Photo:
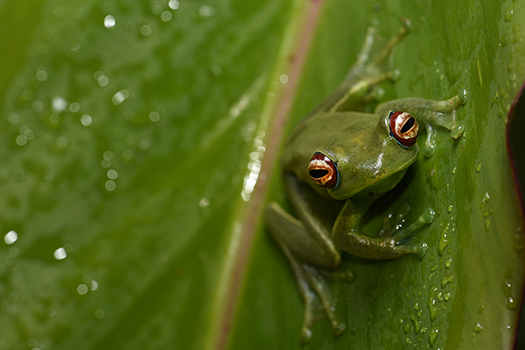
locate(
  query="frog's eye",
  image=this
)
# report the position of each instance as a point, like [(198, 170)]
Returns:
[(323, 171), (404, 128)]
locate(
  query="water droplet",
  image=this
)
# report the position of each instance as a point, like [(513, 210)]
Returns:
[(82, 289), (60, 253), (449, 209), (37, 106), (433, 335), (29, 134), (156, 8), (13, 252), (204, 202), (58, 104), (478, 327), (173, 4), (19, 174), (205, 12), (166, 16), (10, 237), (433, 303), (127, 154), (100, 314), (74, 107), (105, 163), (94, 285), (50, 312), (27, 95), (85, 120), (519, 243), (109, 22), (21, 140), (481, 309), (32, 342), (145, 30), (485, 200), (447, 279), (144, 144), (112, 174), (434, 267), (120, 97), (110, 185), (509, 11), (478, 167), (448, 262), (454, 171), (61, 142), (444, 240), (41, 75), (54, 118), (74, 46), (103, 81), (154, 117), (216, 70)]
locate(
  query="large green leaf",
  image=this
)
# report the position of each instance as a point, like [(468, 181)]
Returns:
[(465, 293), (130, 153), (125, 141)]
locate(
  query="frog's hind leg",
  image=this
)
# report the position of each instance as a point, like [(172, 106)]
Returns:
[(373, 66), (286, 230), (377, 69)]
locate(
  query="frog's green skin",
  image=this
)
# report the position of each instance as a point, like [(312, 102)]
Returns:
[(370, 162)]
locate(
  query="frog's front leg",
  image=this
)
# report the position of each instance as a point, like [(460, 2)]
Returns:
[(431, 113), (348, 236)]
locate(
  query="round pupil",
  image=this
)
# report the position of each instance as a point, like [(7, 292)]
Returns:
[(318, 173), (408, 125)]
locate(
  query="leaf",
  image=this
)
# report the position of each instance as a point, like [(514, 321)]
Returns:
[(126, 133), (465, 293), (131, 146)]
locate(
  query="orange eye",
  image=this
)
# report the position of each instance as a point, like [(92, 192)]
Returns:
[(404, 128), (323, 171)]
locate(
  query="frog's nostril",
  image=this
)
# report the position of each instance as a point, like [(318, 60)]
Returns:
[(318, 173)]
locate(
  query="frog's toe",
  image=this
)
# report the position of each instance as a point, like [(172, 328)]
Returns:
[(306, 335), (338, 327), (457, 131), (463, 96)]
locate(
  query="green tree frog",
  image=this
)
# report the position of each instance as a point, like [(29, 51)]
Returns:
[(338, 161)]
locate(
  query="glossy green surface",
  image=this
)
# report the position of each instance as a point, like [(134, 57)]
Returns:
[(126, 149), (124, 146), (465, 293)]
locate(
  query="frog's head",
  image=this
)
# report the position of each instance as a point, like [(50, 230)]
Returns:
[(373, 159)]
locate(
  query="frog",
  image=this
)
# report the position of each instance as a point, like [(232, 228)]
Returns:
[(338, 161)]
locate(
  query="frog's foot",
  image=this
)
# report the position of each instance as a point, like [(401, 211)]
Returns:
[(377, 66), (401, 236), (442, 113), (392, 223), (312, 285), (319, 285)]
